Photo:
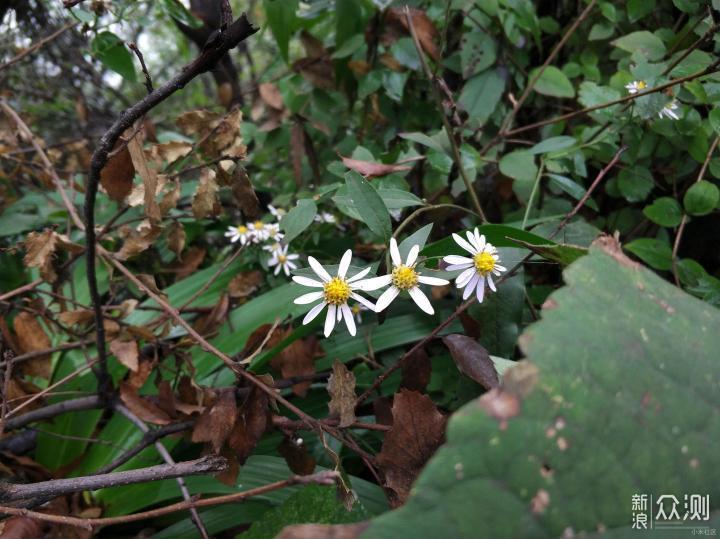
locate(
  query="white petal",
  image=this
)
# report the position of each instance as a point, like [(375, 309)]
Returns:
[(473, 241), (359, 275), (286, 269), (306, 281), (395, 252), (491, 284), (480, 240), (499, 267), (349, 320), (412, 255), (386, 298), (464, 244), (470, 286), (312, 313), (480, 290), (363, 301), (421, 300), (433, 281), (291, 265), (278, 268), (292, 257), (308, 298), (344, 263), (338, 312), (318, 269), (454, 267), (330, 320), (455, 259), (368, 285), (464, 277)]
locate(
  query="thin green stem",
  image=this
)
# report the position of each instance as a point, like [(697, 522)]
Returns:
[(532, 193)]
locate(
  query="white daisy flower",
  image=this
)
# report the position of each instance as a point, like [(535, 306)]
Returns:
[(278, 213), (239, 233), (335, 293), (403, 277), (259, 231), (477, 270), (636, 86), (273, 248), (273, 232), (669, 110), (281, 260), (325, 217)]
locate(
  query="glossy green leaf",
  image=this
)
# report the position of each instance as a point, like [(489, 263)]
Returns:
[(369, 204), (561, 253), (298, 219), (176, 10), (605, 402), (419, 237), (701, 198), (644, 42), (553, 144), (655, 253), (519, 165), (111, 51), (477, 52), (552, 82), (282, 21), (664, 211), (481, 94)]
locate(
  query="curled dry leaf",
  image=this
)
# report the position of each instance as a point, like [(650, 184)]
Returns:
[(416, 371), (217, 421), (142, 407), (116, 177), (250, 425), (170, 198), (40, 249), (31, 337), (341, 387), (169, 152), (418, 430), (73, 318), (297, 359), (205, 202), (219, 135), (22, 528), (242, 190), (472, 360), (148, 175), (371, 169), (139, 240), (126, 352), (245, 284), (176, 239), (296, 454), (270, 94), (424, 28), (297, 149)]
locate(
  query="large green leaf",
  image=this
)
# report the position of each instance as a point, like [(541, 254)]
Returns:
[(553, 82), (282, 21), (369, 204), (621, 398), (111, 51)]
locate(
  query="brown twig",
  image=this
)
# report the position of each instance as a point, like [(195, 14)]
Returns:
[(148, 80), (446, 123), (289, 424), (48, 412), (234, 34), (322, 478), (32, 48), (59, 487)]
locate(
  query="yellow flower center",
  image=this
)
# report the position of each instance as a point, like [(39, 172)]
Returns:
[(337, 291), (641, 85), (404, 277), (282, 259), (259, 225), (484, 262), (242, 229)]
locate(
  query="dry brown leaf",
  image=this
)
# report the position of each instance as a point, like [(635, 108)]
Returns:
[(40, 248), (244, 284), (138, 240), (424, 28), (22, 528), (297, 359), (323, 531), (317, 71), (297, 150), (359, 67), (149, 282), (170, 151), (170, 199), (126, 352), (176, 239), (31, 337), (295, 453), (314, 48), (217, 421), (341, 387), (205, 202), (79, 316), (197, 122), (418, 430), (192, 258), (416, 371), (472, 360), (211, 322), (371, 169), (270, 94), (141, 406), (243, 192), (250, 425), (148, 176), (117, 175)]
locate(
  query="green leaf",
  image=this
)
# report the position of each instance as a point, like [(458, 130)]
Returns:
[(642, 41), (553, 144), (572, 188), (312, 504), (561, 253), (637, 9), (477, 52), (369, 204), (635, 183), (349, 47), (298, 219), (433, 142), (282, 21), (481, 95), (655, 253), (176, 10), (217, 519), (605, 402), (519, 165), (395, 199), (664, 211), (714, 118), (552, 82), (111, 51), (419, 237), (701, 198)]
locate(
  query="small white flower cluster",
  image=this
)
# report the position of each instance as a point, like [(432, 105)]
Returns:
[(335, 291), (259, 232), (668, 111)]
